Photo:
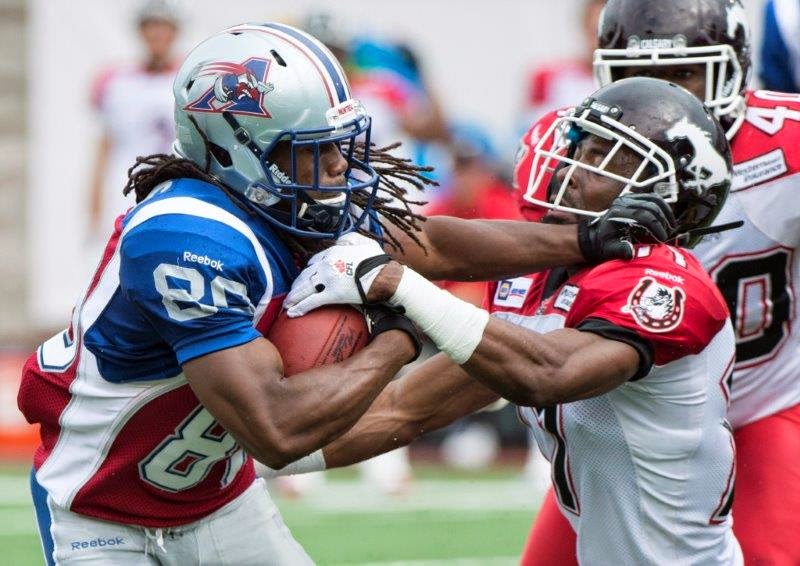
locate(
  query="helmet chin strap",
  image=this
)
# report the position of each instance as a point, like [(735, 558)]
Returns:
[(241, 135), (323, 215), (317, 217), (690, 234)]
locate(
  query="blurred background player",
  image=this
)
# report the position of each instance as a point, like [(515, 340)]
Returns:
[(780, 46), (475, 187), (562, 83), (756, 267), (388, 76), (135, 106)]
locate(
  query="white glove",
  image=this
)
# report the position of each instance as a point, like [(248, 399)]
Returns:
[(329, 277)]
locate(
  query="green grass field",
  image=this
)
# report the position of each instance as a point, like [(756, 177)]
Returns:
[(448, 518)]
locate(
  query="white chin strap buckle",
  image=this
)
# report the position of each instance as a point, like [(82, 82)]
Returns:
[(258, 196)]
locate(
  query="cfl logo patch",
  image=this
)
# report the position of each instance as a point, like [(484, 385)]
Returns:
[(344, 268)]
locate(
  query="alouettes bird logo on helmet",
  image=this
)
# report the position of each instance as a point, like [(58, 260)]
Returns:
[(239, 88), (654, 306)]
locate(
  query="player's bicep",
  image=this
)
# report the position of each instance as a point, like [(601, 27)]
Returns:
[(234, 386), (228, 374), (594, 364)]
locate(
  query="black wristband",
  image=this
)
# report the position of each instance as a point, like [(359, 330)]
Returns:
[(365, 267), (382, 318)]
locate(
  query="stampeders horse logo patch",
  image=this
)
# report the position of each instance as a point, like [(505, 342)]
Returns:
[(655, 306)]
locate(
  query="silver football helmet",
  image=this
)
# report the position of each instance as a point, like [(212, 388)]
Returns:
[(250, 87)]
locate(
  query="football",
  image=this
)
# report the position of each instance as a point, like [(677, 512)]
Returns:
[(324, 336)]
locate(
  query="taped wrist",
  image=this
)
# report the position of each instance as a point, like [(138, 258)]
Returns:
[(454, 326), (314, 462), (384, 318)]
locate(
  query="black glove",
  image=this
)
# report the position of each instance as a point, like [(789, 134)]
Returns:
[(641, 218), (381, 318)]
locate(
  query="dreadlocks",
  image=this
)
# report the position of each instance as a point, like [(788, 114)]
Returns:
[(391, 201)]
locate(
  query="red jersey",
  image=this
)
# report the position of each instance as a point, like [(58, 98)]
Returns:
[(757, 266), (663, 295), (655, 453)]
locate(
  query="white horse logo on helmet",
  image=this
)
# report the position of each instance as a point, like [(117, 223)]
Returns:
[(707, 166)]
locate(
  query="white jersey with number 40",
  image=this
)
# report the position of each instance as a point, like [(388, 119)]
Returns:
[(757, 267)]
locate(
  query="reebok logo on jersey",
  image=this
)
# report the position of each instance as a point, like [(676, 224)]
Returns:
[(512, 292), (96, 543), (760, 169), (203, 260), (665, 275), (654, 306)]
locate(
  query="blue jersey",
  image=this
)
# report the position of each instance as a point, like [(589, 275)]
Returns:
[(195, 272), (186, 273)]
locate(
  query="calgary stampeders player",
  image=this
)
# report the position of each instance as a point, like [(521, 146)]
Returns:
[(660, 284), (704, 45), (621, 368)]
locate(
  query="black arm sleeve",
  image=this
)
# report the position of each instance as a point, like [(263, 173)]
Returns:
[(613, 332)]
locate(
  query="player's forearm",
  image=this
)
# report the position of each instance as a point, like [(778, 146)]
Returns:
[(430, 397), (277, 419), (464, 250), (528, 368), (327, 401), (380, 430)]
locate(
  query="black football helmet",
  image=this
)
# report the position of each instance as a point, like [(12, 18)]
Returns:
[(635, 33), (682, 152)]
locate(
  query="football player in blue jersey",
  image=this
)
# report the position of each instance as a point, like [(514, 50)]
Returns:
[(155, 400)]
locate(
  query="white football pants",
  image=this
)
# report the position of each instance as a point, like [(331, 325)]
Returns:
[(248, 530)]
